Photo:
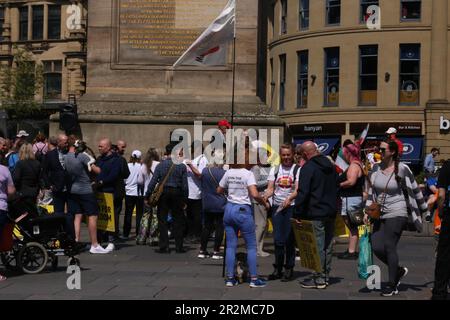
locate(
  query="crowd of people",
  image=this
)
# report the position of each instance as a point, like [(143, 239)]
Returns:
[(196, 198)]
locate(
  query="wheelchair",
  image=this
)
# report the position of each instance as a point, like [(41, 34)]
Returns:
[(31, 240)]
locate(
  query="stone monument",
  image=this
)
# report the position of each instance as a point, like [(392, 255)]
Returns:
[(134, 93)]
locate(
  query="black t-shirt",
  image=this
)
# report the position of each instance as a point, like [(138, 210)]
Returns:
[(444, 176)]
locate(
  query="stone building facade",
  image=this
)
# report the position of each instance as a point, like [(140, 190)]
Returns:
[(55, 33), (133, 92), (330, 72)]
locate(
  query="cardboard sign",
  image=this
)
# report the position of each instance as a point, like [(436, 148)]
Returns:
[(307, 245), (105, 220)]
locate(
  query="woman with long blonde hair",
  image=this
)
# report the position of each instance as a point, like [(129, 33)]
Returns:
[(27, 174)]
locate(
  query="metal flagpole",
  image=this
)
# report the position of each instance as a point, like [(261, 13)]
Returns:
[(234, 77)]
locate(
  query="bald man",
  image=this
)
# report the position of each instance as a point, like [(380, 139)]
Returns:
[(317, 202), (110, 164), (58, 181)]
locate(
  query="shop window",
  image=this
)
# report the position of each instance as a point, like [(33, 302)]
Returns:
[(2, 21), (409, 74), (411, 9), (303, 15), (302, 82), (282, 81), (283, 26), (364, 5), (23, 23), (332, 77), (368, 75), (54, 22), (52, 79), (38, 22), (333, 11)]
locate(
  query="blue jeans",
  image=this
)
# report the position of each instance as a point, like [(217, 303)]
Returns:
[(239, 217), (283, 237)]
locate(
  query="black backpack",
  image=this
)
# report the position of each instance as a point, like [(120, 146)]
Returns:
[(39, 155)]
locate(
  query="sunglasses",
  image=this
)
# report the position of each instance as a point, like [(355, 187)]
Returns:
[(382, 149)]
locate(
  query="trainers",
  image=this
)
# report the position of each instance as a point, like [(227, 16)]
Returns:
[(231, 282), (389, 291), (203, 255), (257, 283), (263, 254), (217, 256), (402, 271), (313, 284), (110, 247), (348, 256), (98, 249)]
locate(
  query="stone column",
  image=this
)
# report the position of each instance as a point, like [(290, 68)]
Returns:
[(439, 51), (45, 35)]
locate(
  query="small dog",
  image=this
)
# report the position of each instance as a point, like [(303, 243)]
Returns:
[(242, 273)]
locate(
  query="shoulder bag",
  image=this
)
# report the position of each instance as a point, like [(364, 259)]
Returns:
[(374, 210), (156, 194)]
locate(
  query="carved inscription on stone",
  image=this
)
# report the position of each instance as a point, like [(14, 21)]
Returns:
[(159, 31)]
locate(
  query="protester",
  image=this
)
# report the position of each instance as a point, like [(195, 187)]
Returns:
[(27, 176), (134, 194), (119, 189), (13, 156), (428, 165), (107, 181), (316, 201), (282, 186), (3, 151), (260, 211), (390, 182), (57, 180), (194, 202), (351, 183), (6, 189), (40, 147), (81, 200), (173, 198), (52, 143), (213, 206), (442, 268), (241, 185)]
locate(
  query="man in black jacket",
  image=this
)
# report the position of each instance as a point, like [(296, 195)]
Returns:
[(317, 201), (57, 180)]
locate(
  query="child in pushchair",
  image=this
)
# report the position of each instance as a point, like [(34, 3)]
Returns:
[(31, 240)]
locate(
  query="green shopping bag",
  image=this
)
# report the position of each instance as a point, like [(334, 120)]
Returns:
[(365, 253)]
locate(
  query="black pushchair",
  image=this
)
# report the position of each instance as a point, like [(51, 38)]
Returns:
[(33, 239)]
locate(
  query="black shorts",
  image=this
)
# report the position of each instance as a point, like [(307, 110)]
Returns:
[(83, 203)]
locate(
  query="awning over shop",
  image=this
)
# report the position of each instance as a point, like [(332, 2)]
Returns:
[(326, 144)]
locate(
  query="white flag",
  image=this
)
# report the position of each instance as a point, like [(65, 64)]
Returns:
[(210, 48)]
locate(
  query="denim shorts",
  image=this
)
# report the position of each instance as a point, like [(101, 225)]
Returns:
[(351, 204), (83, 203)]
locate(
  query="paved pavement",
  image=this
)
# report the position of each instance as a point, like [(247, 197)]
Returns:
[(137, 272)]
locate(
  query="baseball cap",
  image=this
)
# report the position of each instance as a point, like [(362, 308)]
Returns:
[(224, 123), (22, 133), (391, 130), (136, 154)]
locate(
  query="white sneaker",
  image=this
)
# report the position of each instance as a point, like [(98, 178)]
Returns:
[(110, 247), (98, 249), (263, 254)]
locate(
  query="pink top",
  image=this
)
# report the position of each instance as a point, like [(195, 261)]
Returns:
[(41, 146)]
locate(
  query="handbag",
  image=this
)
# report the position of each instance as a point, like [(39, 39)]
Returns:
[(365, 258), (156, 194), (374, 210)]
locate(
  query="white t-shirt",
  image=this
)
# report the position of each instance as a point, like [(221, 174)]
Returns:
[(145, 177), (237, 181), (194, 183), (284, 186), (131, 183)]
